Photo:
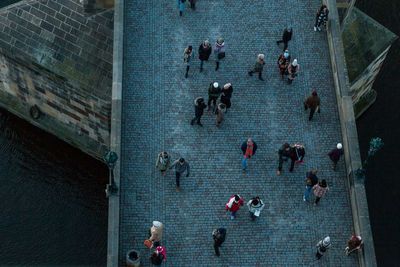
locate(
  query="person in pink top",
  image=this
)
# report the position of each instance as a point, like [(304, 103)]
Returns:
[(320, 190), (234, 204)]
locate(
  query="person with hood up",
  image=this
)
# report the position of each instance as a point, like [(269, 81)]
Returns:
[(187, 58), (283, 63), (249, 149), (335, 155), (156, 232), (213, 94), (293, 70), (159, 255), (313, 103), (163, 161), (226, 95), (286, 37), (322, 247), (255, 205), (205, 50), (180, 167), (258, 67), (220, 114), (219, 236), (219, 51), (199, 107), (233, 205), (320, 190)]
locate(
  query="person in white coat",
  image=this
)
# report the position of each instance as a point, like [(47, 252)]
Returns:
[(255, 206)]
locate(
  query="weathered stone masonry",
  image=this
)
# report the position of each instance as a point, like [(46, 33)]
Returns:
[(54, 56)]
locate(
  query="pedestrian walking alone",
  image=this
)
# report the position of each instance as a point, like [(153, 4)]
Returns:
[(322, 247), (233, 205), (258, 67), (181, 6), (192, 4), (321, 17), (159, 255), (283, 63), (199, 107), (335, 155), (205, 50), (213, 94), (255, 205), (311, 180), (187, 58), (249, 149), (219, 236), (219, 51), (180, 167), (156, 232), (293, 71), (220, 114), (320, 190), (163, 162), (355, 243), (313, 103), (226, 95), (294, 152), (286, 37)]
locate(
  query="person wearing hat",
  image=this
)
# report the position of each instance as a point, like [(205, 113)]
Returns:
[(258, 67), (156, 232), (213, 94), (311, 180), (180, 167), (322, 247), (286, 37), (313, 103), (204, 53), (226, 95), (187, 58), (219, 236), (255, 205), (335, 155), (220, 113), (234, 204), (219, 51), (283, 63), (248, 148), (293, 70), (163, 161), (199, 107), (320, 190)]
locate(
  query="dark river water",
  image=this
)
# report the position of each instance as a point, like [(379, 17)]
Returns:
[(52, 202), (383, 120)]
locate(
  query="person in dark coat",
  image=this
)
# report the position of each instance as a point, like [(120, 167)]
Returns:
[(213, 94), (283, 63), (219, 236), (286, 37), (321, 17), (248, 148), (294, 152), (311, 180), (205, 50), (313, 103), (292, 71), (199, 107), (192, 4), (226, 95), (219, 51), (258, 67), (335, 155)]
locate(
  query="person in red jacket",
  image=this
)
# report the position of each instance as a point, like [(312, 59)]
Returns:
[(234, 204)]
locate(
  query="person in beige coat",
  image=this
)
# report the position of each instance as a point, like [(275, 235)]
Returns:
[(220, 113), (156, 233)]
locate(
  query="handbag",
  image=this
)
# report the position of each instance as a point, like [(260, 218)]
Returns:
[(221, 55), (148, 243)]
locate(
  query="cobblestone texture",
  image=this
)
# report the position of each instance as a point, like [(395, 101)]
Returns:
[(157, 108)]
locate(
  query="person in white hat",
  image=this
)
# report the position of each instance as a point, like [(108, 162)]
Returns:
[(322, 247), (293, 70), (213, 94), (156, 233), (335, 155), (258, 67)]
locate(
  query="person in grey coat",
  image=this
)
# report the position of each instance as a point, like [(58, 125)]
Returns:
[(180, 166), (258, 67), (219, 51)]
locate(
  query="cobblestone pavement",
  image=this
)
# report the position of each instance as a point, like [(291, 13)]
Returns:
[(158, 107)]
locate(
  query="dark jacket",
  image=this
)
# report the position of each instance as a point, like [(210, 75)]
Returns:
[(219, 236), (312, 102), (311, 179), (244, 147), (293, 153), (199, 107), (258, 67), (226, 96), (287, 35), (204, 52), (213, 92), (335, 154)]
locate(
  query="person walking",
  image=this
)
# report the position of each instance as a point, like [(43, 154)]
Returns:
[(313, 103), (311, 180), (255, 205), (180, 167), (192, 4), (219, 51), (249, 149), (159, 255), (163, 161), (226, 95), (181, 6), (320, 190), (293, 70), (199, 107), (294, 152), (233, 205), (322, 247), (355, 243), (258, 67), (219, 236), (335, 155), (187, 58), (156, 232), (321, 17), (220, 114), (286, 37), (283, 63), (205, 50), (213, 94)]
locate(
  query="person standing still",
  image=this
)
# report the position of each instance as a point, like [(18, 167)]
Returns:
[(293, 70), (163, 161), (286, 37), (313, 103), (233, 205), (322, 247), (156, 232), (320, 190), (283, 63), (205, 50), (192, 4), (187, 58), (255, 205), (248, 148), (258, 67), (220, 114), (219, 51), (181, 6), (226, 95), (199, 107), (335, 155), (213, 94), (219, 236), (311, 180), (180, 167)]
